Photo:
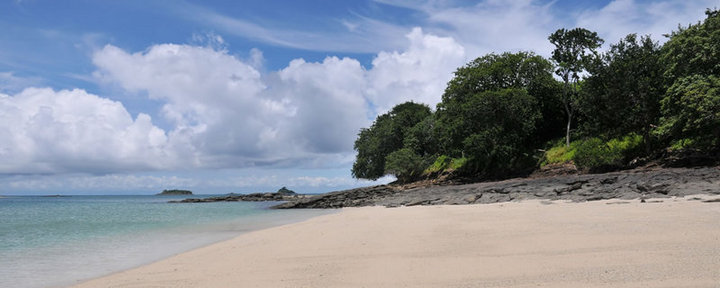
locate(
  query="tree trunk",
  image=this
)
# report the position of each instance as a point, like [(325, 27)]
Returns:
[(567, 131), (569, 111)]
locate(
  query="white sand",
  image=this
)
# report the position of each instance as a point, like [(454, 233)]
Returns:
[(675, 243)]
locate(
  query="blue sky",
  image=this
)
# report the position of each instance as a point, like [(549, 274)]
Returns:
[(132, 97)]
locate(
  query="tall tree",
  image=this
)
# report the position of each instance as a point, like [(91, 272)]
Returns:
[(385, 136), (503, 122), (623, 93), (492, 72), (575, 50), (691, 106)]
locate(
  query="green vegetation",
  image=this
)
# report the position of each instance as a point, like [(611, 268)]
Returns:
[(594, 154), (175, 192), (575, 51), (637, 100)]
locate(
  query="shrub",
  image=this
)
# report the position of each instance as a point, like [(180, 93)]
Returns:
[(441, 163), (457, 163), (559, 154), (594, 154)]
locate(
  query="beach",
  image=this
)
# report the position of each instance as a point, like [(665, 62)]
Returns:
[(671, 242)]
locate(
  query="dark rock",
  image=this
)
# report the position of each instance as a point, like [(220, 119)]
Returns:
[(627, 185)]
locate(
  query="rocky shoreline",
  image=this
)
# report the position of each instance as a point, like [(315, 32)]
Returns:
[(255, 197), (631, 184)]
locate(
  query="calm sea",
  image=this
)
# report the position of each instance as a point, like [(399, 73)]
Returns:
[(58, 241)]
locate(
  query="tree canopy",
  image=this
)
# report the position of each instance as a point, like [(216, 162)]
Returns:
[(505, 114)]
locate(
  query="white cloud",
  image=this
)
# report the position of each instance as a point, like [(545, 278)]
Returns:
[(47, 131), (622, 17), (498, 26), (11, 83), (419, 74), (226, 114)]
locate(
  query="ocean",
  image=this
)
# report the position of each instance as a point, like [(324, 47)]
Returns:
[(60, 241)]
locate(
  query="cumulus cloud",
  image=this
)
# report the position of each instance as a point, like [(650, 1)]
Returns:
[(222, 112), (227, 114), (418, 74), (47, 131)]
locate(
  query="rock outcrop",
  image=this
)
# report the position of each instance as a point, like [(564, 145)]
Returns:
[(632, 184)]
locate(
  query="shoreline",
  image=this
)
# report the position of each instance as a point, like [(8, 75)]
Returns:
[(220, 232), (100, 246), (640, 183), (661, 243)]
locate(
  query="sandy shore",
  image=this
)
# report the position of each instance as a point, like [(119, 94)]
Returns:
[(675, 243)]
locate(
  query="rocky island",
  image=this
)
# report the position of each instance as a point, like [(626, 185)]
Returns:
[(283, 194), (174, 192)]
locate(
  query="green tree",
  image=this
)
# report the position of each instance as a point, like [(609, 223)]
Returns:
[(691, 110), (623, 94), (694, 49), (575, 50), (385, 136), (499, 140), (423, 137), (522, 70), (404, 164)]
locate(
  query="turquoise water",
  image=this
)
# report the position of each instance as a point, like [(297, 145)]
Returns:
[(58, 241)]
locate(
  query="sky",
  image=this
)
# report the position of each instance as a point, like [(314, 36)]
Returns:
[(133, 97)]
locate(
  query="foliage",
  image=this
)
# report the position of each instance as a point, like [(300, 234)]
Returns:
[(444, 162), (385, 136), (522, 70), (691, 110), (593, 153), (422, 138), (560, 154), (694, 49), (499, 107), (623, 94), (441, 163), (691, 106), (503, 122), (404, 164), (575, 51)]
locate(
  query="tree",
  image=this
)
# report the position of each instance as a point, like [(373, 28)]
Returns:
[(385, 136), (503, 123), (404, 164), (691, 111), (695, 49), (575, 50), (690, 108), (522, 70), (623, 94), (422, 138)]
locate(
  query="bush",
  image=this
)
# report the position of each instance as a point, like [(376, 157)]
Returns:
[(595, 155), (457, 163), (444, 162), (559, 154)]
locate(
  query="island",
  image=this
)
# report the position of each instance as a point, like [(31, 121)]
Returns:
[(283, 194), (174, 192)]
